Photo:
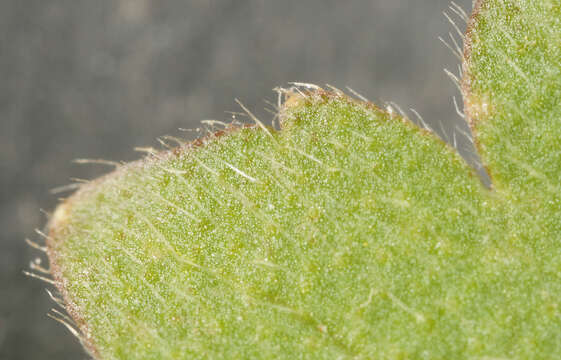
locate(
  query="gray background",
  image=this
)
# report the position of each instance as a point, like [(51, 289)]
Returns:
[(94, 79)]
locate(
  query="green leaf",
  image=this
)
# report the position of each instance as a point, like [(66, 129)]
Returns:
[(350, 233), (512, 90)]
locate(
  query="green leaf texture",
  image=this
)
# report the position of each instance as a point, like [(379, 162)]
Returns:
[(348, 234)]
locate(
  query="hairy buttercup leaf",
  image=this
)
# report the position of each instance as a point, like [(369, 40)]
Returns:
[(349, 233)]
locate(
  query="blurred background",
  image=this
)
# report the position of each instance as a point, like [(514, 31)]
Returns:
[(94, 79)]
